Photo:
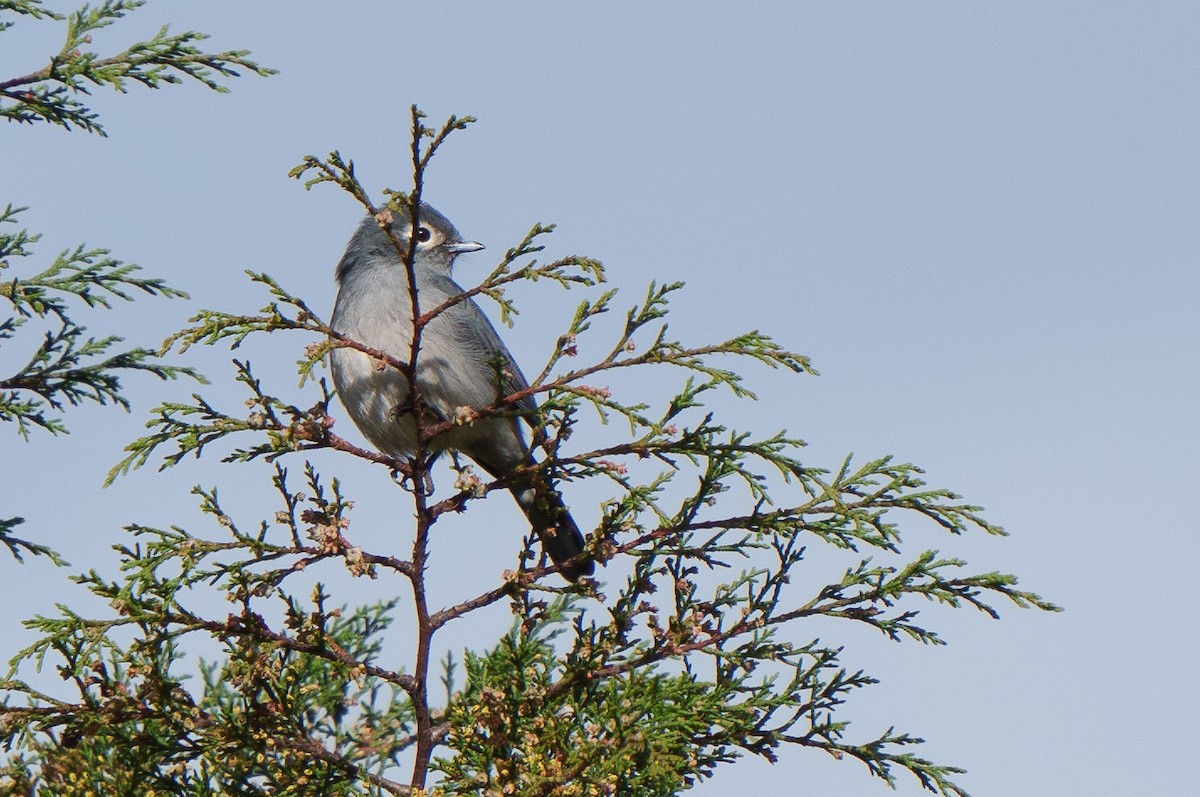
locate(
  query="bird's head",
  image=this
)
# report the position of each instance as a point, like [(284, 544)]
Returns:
[(437, 241)]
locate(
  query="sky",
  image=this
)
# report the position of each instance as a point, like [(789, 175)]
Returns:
[(979, 220)]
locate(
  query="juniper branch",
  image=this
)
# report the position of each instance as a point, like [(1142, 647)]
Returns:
[(51, 94)]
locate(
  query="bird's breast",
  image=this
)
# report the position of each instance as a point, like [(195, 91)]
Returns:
[(375, 394)]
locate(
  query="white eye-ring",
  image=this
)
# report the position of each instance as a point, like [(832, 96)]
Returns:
[(427, 236)]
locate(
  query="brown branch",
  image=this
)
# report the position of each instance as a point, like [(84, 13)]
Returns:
[(339, 443), (318, 750), (347, 342), (237, 625)]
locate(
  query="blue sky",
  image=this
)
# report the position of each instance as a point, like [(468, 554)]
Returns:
[(980, 221)]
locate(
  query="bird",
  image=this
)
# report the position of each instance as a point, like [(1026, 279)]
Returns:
[(462, 365)]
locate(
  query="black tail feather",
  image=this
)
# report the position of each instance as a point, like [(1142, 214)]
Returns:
[(561, 538)]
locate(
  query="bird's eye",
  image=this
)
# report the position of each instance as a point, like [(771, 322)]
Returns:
[(423, 234)]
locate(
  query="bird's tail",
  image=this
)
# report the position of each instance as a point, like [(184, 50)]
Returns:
[(552, 522)]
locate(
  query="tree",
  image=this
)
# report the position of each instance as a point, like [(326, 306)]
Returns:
[(687, 651), (66, 367)]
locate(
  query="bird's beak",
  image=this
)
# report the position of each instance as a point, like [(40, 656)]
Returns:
[(464, 246)]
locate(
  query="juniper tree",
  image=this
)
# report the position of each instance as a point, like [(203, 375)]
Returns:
[(62, 365), (693, 645)]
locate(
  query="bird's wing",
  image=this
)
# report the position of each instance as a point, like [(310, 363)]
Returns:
[(468, 324)]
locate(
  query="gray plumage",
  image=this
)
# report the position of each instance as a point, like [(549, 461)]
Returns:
[(461, 363)]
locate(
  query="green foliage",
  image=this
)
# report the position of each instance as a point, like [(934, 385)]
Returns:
[(66, 367), (52, 93), (29, 8), (63, 366), (515, 730), (16, 545), (263, 719)]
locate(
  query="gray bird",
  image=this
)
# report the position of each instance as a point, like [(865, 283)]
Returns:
[(461, 363)]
